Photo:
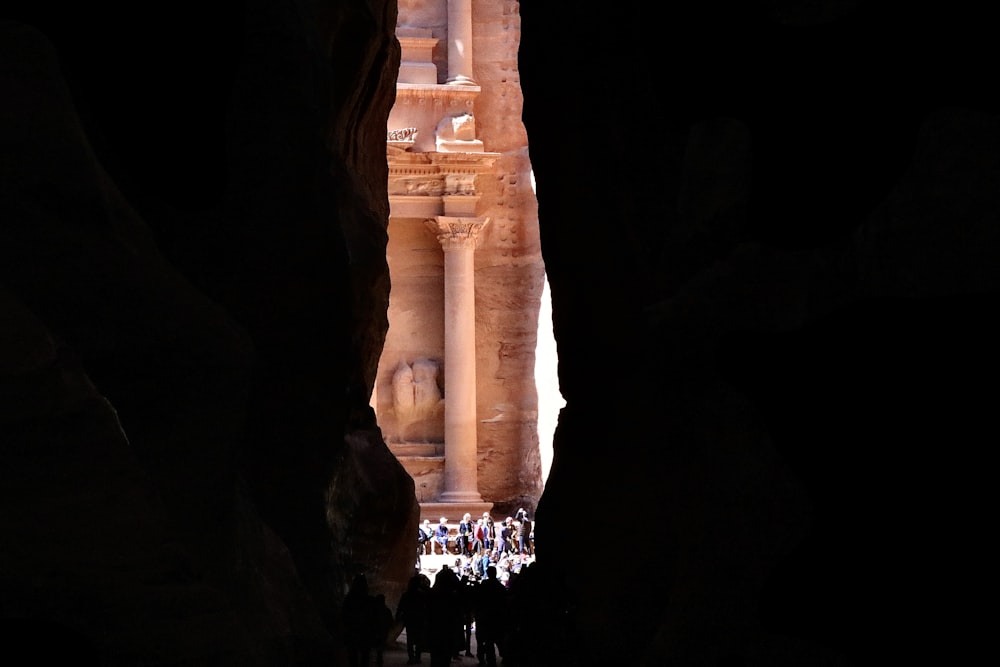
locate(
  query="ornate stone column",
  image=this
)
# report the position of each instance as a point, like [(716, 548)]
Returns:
[(457, 236), (460, 43)]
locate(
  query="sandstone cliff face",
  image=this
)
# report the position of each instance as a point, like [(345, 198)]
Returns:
[(773, 291), (509, 272), (194, 281), (770, 233)]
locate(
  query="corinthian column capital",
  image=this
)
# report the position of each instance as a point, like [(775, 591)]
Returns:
[(454, 233)]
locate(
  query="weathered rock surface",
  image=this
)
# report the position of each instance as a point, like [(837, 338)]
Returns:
[(476, 133), (770, 232), (191, 252), (769, 382)]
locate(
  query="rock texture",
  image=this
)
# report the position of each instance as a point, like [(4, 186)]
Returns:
[(476, 133), (193, 270), (770, 233), (770, 380)]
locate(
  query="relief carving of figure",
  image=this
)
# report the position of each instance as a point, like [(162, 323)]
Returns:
[(402, 390), (415, 391), (426, 393)]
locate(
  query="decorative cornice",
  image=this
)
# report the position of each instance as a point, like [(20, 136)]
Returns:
[(453, 163), (440, 95)]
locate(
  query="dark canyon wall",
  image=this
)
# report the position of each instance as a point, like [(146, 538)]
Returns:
[(192, 262), (770, 230)]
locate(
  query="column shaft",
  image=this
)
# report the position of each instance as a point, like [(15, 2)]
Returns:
[(460, 42), (461, 453), (460, 464)]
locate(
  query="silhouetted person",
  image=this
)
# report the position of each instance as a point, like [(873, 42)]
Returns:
[(541, 616), (356, 612), (491, 615), (466, 593), (379, 623), (413, 612), (445, 619)]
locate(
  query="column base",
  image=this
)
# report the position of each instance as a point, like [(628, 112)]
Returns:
[(453, 511), (460, 496), (461, 80)]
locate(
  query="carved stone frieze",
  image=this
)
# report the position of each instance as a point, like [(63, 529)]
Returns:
[(460, 184), (436, 174), (431, 185)]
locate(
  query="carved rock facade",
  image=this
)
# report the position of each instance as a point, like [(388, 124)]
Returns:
[(776, 316), (459, 182)]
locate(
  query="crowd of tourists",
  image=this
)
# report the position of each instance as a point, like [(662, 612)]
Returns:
[(480, 543), (492, 602)]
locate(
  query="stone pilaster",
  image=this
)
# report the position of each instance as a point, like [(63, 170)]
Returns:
[(460, 43), (457, 236)]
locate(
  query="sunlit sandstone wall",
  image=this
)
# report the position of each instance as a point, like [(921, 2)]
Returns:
[(509, 274), (799, 379)]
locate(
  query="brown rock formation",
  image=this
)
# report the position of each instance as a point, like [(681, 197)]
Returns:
[(770, 232), (767, 381), (192, 248)]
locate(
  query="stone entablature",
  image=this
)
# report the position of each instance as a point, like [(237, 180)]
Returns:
[(423, 185), (438, 94)]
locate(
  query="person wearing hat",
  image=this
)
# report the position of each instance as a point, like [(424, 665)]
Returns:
[(441, 535), (428, 535), (465, 529), (523, 532)]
